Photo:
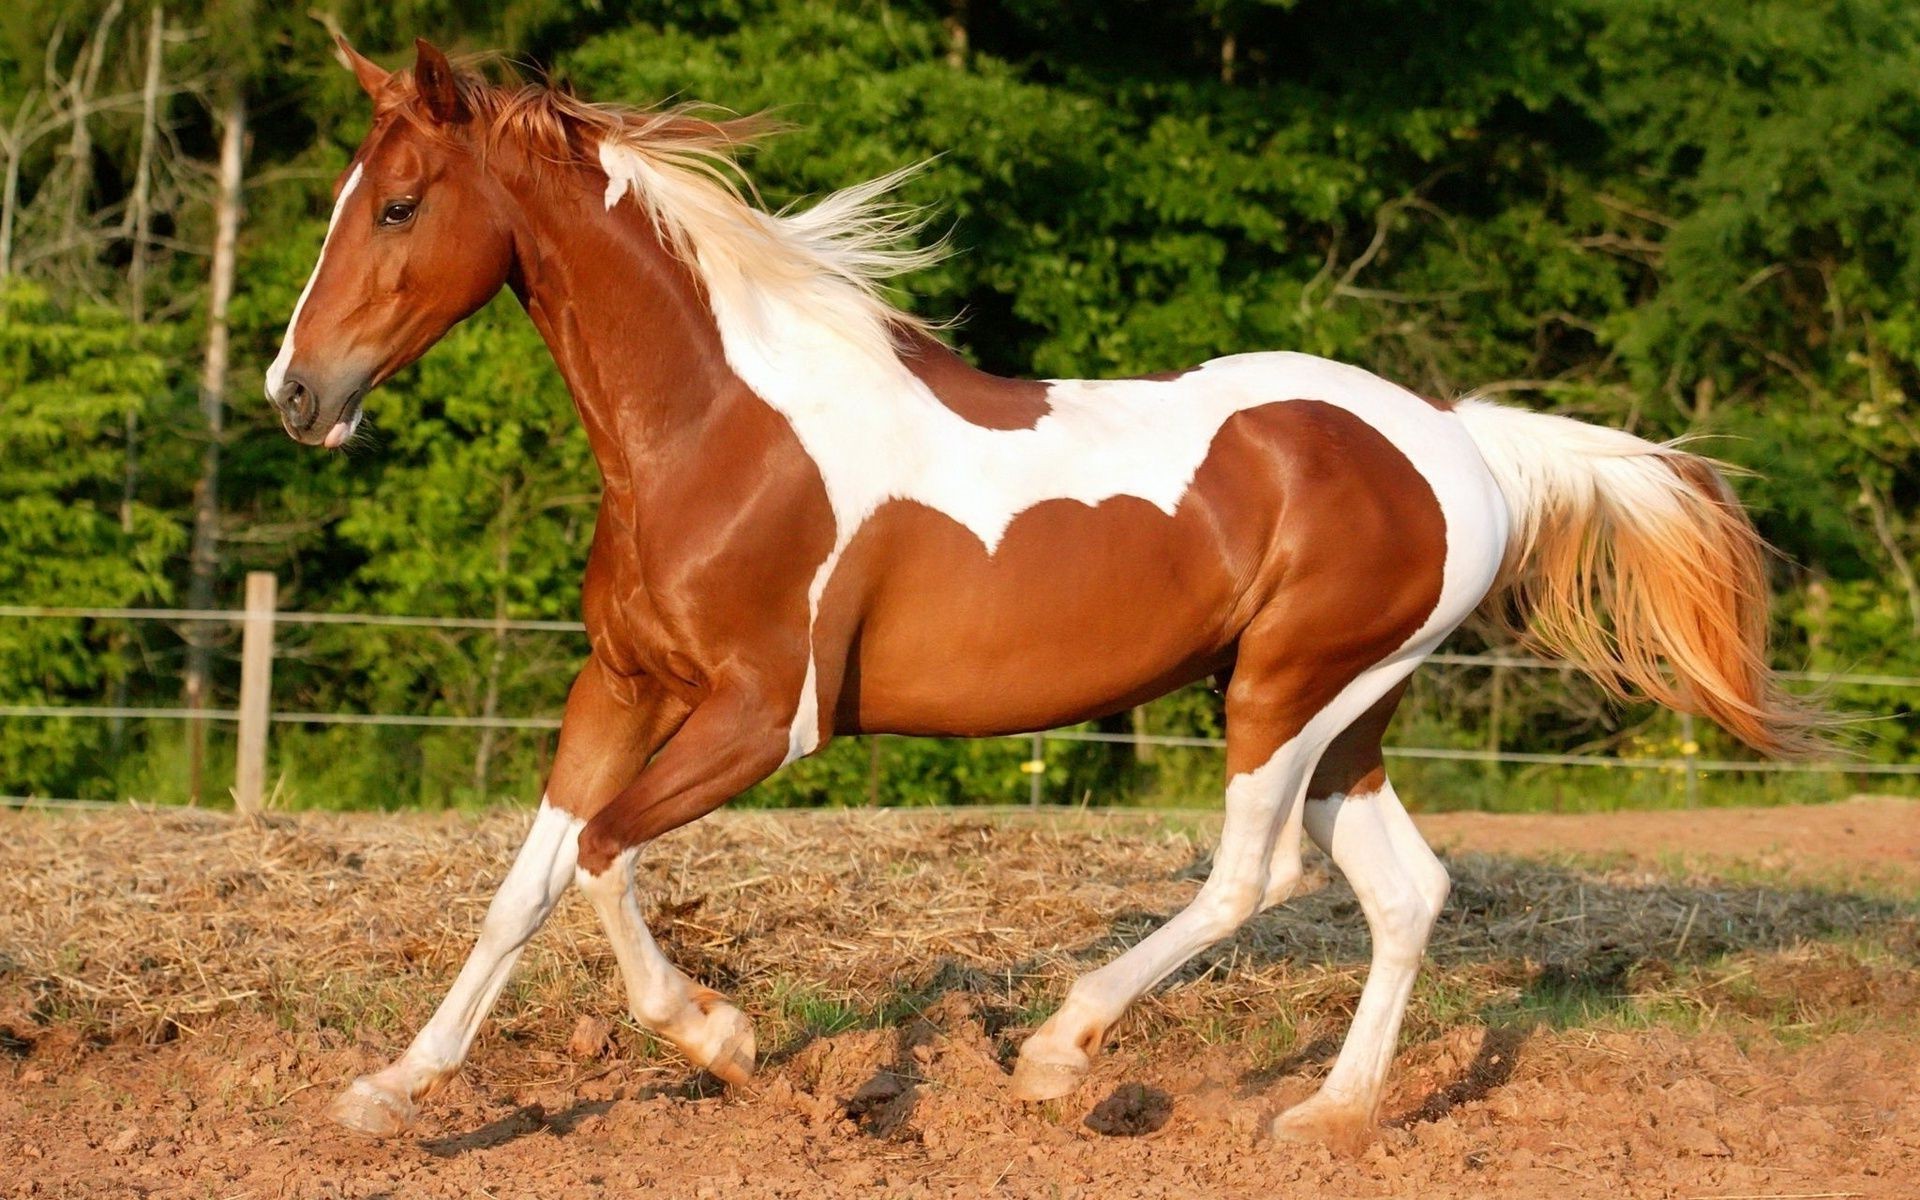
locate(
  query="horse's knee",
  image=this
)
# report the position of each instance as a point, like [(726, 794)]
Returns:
[(600, 850), (1425, 874), (1435, 885)]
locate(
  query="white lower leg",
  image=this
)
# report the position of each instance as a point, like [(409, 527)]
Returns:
[(1262, 827), (386, 1101), (1400, 886), (1411, 849), (708, 1030)]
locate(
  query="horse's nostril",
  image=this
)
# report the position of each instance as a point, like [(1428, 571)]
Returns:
[(297, 405)]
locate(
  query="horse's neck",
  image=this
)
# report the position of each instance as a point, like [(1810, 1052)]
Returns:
[(649, 356), (626, 324)]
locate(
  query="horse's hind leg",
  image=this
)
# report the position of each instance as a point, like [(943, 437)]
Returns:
[(605, 738), (1288, 699), (1353, 813)]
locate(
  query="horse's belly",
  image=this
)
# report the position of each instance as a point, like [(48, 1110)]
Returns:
[(977, 653)]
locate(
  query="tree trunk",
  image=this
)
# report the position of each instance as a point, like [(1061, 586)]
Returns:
[(9, 202), (959, 37), (213, 399), (86, 80), (139, 216), (140, 203), (14, 140)]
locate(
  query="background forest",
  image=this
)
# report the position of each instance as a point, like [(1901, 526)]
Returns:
[(1679, 216)]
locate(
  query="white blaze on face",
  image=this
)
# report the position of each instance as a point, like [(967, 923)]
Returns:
[(277, 373)]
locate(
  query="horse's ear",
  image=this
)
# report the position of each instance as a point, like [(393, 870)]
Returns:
[(433, 80), (371, 75)]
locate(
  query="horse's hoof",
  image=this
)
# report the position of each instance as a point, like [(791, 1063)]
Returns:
[(720, 1041), (1322, 1121), (1044, 1075), (367, 1107), (732, 1064)]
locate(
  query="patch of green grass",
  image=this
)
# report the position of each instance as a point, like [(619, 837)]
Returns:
[(1272, 1040), (1034, 1009), (803, 1008), (1897, 886), (1444, 999), (1578, 1003)]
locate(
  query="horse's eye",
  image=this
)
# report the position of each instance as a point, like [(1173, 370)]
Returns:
[(398, 212)]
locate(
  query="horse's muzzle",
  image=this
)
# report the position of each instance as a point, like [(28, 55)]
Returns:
[(311, 419)]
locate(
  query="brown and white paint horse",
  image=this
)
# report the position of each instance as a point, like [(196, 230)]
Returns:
[(817, 519)]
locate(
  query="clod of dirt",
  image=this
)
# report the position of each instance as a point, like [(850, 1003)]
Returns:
[(883, 1104), (590, 1037), (1133, 1110), (123, 1142)]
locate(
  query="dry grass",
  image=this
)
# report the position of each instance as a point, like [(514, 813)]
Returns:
[(147, 925)]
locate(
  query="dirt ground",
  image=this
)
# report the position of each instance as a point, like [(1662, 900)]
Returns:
[(1714, 1004)]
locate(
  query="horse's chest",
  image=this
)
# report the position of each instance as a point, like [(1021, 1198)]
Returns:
[(623, 620)]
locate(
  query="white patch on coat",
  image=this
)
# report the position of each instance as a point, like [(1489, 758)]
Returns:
[(804, 339), (277, 373)]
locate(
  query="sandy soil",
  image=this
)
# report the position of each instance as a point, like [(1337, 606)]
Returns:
[(179, 997), (1869, 838)]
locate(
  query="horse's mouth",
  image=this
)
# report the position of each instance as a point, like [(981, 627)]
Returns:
[(345, 424)]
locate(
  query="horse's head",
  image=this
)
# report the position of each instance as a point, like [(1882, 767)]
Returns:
[(419, 239)]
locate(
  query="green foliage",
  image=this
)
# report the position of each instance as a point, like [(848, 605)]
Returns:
[(69, 380)]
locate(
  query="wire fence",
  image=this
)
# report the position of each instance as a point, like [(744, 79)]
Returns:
[(255, 707)]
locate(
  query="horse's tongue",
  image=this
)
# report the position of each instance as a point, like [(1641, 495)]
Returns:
[(337, 436)]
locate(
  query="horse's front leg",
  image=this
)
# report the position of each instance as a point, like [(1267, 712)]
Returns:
[(731, 742), (611, 727)]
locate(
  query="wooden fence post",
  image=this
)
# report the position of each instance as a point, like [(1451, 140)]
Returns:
[(256, 692), (1690, 751), (1035, 768), (1496, 718)]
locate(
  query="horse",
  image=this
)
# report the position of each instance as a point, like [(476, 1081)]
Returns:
[(818, 519)]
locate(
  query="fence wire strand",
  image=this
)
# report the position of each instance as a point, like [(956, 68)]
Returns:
[(521, 625)]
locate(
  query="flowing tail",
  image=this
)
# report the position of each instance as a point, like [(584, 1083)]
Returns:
[(1632, 560)]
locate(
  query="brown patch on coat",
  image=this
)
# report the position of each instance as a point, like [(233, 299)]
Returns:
[(1352, 764), (1363, 546), (989, 401), (1167, 376)]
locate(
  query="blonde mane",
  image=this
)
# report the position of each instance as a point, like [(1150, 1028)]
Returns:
[(828, 262)]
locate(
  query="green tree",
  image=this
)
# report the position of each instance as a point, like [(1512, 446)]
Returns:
[(68, 380)]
